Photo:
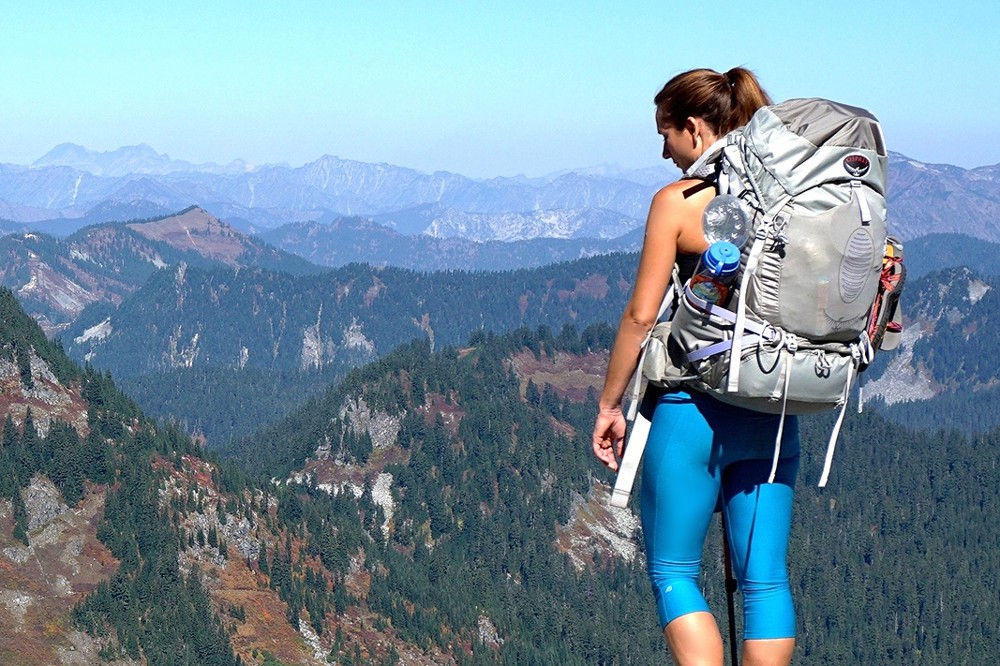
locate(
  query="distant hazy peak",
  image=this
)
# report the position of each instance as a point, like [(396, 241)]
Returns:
[(127, 160)]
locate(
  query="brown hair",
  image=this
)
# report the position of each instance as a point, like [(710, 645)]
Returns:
[(724, 101)]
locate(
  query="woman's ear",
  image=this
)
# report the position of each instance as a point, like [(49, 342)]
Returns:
[(694, 126), (700, 130)]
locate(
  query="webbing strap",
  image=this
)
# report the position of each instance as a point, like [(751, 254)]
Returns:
[(718, 348), (831, 447), (781, 424), (638, 431), (863, 207), (754, 330), (741, 309), (629, 464), (861, 394)]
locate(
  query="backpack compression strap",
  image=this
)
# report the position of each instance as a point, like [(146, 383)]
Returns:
[(629, 464)]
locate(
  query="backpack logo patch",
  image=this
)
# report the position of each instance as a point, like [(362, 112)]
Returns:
[(857, 165)]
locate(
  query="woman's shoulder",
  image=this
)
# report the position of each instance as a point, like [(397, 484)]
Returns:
[(685, 192), (678, 207)]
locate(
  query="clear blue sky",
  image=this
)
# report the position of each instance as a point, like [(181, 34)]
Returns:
[(478, 88)]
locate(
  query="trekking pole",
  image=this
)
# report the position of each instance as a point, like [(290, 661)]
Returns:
[(730, 594)]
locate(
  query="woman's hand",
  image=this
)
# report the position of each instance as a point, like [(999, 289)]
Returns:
[(609, 436)]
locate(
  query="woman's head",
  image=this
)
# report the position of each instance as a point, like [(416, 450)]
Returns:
[(704, 104), (723, 101)]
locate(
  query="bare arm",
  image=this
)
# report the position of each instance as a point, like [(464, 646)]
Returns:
[(674, 222)]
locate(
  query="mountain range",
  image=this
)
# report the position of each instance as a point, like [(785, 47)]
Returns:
[(81, 286), (71, 187)]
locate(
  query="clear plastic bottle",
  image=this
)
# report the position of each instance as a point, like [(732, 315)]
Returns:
[(713, 280), (725, 219)]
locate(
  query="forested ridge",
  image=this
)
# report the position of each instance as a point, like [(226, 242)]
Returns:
[(149, 608), (256, 318), (949, 353), (227, 351), (104, 263)]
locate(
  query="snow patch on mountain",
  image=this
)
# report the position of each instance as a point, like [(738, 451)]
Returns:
[(575, 223), (97, 332)]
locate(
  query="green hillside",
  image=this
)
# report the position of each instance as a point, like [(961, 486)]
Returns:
[(147, 608), (445, 505)]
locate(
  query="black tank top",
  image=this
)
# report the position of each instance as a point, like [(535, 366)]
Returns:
[(686, 265)]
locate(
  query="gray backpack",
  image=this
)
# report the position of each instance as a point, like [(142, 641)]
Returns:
[(815, 287)]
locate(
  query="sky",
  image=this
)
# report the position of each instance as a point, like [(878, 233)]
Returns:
[(478, 88)]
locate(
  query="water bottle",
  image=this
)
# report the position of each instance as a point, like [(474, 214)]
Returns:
[(713, 280), (725, 219)]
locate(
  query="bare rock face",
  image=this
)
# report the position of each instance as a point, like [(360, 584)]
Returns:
[(43, 503), (42, 581), (317, 349), (382, 427), (488, 632), (48, 399), (597, 528)]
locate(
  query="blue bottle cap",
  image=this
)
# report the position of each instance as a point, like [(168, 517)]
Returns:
[(721, 258)]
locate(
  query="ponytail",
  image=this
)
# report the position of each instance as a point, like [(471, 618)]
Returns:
[(747, 96), (724, 101)]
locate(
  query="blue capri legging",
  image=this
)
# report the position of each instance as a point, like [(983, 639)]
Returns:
[(701, 450)]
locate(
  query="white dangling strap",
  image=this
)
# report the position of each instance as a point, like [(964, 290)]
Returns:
[(781, 424), (861, 394), (828, 462)]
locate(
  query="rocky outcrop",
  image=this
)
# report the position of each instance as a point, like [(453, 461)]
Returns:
[(40, 582), (595, 527), (48, 399)]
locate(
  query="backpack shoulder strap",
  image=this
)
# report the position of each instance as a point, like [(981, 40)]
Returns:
[(706, 165)]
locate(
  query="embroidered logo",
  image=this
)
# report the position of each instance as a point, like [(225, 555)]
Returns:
[(857, 165)]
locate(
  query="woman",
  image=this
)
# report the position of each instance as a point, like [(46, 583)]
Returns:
[(702, 453)]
